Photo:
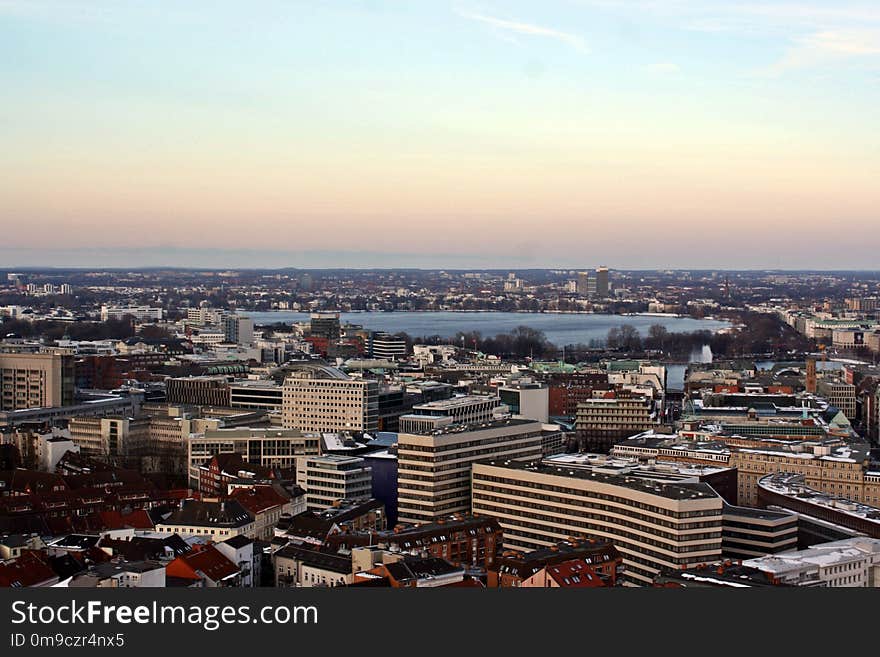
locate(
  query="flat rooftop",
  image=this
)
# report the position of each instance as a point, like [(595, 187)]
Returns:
[(456, 402), (672, 491), (793, 485), (623, 465), (473, 427), (820, 556)]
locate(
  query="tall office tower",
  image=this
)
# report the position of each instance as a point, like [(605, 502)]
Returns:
[(434, 468), (325, 325), (67, 289), (320, 398), (35, 380), (238, 329), (602, 287)]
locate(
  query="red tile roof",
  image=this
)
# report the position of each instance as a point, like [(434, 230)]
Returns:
[(30, 569), (209, 561), (575, 573), (258, 499)]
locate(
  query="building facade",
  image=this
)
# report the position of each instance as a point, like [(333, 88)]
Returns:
[(434, 470), (655, 526)]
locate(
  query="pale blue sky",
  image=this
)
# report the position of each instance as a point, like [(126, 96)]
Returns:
[(644, 133)]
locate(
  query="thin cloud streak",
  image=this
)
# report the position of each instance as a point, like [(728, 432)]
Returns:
[(529, 29)]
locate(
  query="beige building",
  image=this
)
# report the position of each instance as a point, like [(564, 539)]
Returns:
[(35, 380), (824, 469), (836, 469), (840, 394), (118, 437), (654, 525), (323, 399), (268, 447), (600, 422), (434, 469)]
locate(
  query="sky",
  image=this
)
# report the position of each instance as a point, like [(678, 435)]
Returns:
[(421, 133)]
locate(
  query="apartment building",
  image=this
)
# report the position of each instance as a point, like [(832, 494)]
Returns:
[(655, 526), (434, 469), (216, 520)]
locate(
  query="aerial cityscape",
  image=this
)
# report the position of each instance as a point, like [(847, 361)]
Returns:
[(483, 295), (424, 428)]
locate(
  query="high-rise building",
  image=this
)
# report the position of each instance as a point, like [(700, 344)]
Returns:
[(323, 399), (434, 469), (585, 284), (602, 285), (238, 329), (36, 380), (530, 400)]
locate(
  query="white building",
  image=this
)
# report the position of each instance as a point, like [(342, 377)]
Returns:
[(140, 313), (853, 562), (331, 478), (465, 409)]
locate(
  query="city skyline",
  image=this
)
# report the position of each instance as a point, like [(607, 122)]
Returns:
[(693, 134)]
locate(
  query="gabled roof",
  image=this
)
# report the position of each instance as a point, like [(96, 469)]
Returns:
[(416, 568), (257, 499), (30, 569), (30, 481), (208, 562), (196, 513), (574, 573)]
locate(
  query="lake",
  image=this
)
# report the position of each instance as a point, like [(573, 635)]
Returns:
[(561, 329)]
